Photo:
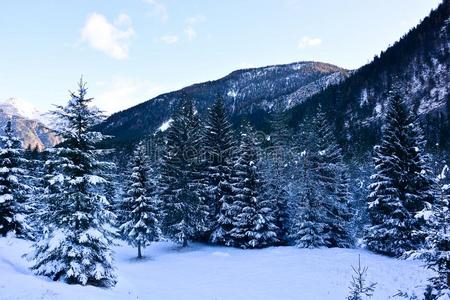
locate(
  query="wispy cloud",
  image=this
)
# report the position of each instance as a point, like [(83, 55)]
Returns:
[(191, 24), (308, 41), (158, 9), (124, 92), (168, 39), (110, 38)]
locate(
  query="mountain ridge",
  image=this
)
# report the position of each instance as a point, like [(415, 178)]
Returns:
[(245, 91), (27, 123), (417, 67)]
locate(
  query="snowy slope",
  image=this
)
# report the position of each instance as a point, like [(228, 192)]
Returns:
[(247, 91), (217, 273)]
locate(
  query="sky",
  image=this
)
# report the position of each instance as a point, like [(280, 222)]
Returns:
[(129, 51)]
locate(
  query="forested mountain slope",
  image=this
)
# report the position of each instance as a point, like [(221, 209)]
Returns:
[(417, 67)]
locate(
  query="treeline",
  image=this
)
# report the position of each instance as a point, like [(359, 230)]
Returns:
[(215, 184)]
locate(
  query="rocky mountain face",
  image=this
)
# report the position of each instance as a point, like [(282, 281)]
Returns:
[(417, 67), (245, 92), (27, 123)]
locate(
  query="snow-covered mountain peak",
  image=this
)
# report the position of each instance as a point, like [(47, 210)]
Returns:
[(20, 107)]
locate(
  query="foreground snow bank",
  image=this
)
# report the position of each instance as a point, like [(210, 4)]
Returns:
[(217, 273)]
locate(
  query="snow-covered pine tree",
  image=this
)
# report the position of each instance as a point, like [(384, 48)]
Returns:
[(253, 210), (360, 170), (277, 169), (15, 206), (219, 147), (360, 289), (76, 248), (34, 162), (184, 212), (141, 226), (436, 252), (402, 188), (329, 169), (307, 213)]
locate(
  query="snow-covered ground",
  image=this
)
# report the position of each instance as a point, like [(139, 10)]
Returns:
[(217, 273)]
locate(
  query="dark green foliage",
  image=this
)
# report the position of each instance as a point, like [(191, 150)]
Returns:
[(402, 188), (184, 211)]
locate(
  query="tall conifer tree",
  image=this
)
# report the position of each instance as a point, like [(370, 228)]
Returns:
[(219, 149), (15, 206), (402, 188), (76, 248), (184, 210), (141, 226)]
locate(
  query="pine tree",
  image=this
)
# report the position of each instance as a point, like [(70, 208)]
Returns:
[(308, 214), (277, 169), (401, 188), (141, 226), (184, 210), (436, 252), (329, 171), (219, 149), (253, 221), (320, 215), (34, 163), (15, 206), (359, 288), (76, 248)]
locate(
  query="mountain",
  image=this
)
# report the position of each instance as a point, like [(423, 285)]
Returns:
[(27, 121), (417, 67), (245, 92), (19, 107)]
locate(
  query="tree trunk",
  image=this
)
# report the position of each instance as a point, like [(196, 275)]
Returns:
[(139, 250), (185, 242)]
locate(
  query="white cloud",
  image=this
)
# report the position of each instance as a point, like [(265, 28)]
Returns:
[(168, 39), (158, 9), (123, 92), (191, 23), (308, 41), (110, 38)]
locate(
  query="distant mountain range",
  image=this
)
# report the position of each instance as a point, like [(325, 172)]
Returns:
[(28, 122)]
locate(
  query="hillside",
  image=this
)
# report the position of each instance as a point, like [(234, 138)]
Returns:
[(245, 92), (417, 67)]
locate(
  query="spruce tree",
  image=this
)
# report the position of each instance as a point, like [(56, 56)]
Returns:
[(141, 226), (219, 153), (360, 289), (278, 168), (76, 248), (15, 206), (253, 221), (308, 218), (184, 211), (436, 252), (330, 173), (402, 188)]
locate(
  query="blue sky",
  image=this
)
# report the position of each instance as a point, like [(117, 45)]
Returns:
[(130, 51)]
